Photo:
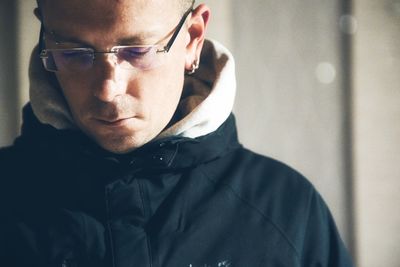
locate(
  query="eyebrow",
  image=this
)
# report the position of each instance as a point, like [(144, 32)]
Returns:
[(137, 39)]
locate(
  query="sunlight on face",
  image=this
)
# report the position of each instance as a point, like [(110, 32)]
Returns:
[(120, 109)]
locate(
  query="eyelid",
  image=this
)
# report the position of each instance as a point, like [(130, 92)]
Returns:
[(132, 46), (72, 49)]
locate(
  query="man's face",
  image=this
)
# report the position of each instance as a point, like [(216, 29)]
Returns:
[(120, 109)]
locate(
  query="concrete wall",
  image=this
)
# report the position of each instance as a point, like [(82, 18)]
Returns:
[(28, 36), (377, 131), (8, 72)]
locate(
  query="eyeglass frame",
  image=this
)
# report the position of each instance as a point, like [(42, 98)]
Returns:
[(166, 48)]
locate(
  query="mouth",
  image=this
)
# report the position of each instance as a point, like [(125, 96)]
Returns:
[(115, 123)]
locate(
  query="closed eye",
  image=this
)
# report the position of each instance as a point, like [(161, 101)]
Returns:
[(135, 52), (75, 53)]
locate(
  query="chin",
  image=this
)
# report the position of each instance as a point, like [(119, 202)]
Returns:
[(121, 145)]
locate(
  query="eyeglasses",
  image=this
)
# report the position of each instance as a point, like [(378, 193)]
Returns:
[(142, 57)]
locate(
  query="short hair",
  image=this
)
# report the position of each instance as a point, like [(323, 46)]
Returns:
[(184, 4)]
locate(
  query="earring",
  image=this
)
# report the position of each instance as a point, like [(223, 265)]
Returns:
[(195, 66)]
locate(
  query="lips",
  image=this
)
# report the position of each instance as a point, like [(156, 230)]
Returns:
[(116, 122)]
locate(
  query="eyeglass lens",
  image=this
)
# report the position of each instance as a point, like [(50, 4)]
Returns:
[(141, 57)]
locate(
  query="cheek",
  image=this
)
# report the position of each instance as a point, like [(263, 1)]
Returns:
[(160, 92), (75, 92)]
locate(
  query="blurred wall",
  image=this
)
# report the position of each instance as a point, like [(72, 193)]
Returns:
[(377, 131), (8, 69)]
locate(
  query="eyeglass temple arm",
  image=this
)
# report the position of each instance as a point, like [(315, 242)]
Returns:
[(178, 28)]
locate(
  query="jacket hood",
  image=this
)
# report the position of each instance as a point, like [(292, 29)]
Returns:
[(206, 101)]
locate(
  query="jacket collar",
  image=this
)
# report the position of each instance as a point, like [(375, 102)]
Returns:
[(167, 153)]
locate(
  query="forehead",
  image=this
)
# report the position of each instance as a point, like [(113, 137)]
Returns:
[(90, 17)]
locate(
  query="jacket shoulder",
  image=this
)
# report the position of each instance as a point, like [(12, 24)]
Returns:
[(262, 181), (284, 198), (8, 158), (15, 166)]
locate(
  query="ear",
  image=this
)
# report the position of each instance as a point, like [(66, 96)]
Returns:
[(196, 34)]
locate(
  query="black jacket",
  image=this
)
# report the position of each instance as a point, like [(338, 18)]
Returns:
[(176, 202)]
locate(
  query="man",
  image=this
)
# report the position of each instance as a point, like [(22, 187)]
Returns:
[(129, 155)]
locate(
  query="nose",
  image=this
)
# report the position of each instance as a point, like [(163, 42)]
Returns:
[(108, 79)]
